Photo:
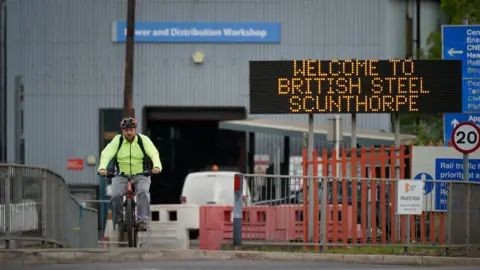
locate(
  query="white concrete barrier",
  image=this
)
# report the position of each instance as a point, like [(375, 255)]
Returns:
[(170, 224)]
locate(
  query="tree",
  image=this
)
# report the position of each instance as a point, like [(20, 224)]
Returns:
[(429, 127), (455, 11)]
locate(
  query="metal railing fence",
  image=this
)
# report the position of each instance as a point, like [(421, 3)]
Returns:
[(103, 226), (37, 209), (360, 212)]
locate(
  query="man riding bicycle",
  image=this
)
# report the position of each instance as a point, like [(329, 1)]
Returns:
[(130, 158)]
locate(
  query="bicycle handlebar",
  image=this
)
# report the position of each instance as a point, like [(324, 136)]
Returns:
[(144, 173)]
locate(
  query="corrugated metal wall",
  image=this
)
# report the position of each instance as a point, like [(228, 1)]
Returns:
[(71, 68)]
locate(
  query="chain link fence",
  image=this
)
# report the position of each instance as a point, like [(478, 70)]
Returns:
[(37, 210)]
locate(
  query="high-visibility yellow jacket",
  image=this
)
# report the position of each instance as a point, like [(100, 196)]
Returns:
[(130, 155)]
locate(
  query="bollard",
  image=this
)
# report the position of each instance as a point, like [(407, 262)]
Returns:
[(237, 209)]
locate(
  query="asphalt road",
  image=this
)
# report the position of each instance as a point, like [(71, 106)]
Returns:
[(220, 265)]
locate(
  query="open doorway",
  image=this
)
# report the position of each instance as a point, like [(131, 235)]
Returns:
[(189, 140)]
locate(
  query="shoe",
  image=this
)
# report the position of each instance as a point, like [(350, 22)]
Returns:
[(142, 226)]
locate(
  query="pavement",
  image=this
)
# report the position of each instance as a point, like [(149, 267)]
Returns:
[(163, 243), (220, 265), (139, 258)]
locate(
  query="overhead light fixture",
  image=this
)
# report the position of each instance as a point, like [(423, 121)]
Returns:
[(198, 57)]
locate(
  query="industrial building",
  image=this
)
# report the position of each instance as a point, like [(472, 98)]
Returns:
[(63, 66)]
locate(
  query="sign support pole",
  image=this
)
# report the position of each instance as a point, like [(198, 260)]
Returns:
[(467, 208), (334, 135), (465, 168), (309, 180), (353, 139), (466, 139), (466, 178), (338, 136), (396, 127)]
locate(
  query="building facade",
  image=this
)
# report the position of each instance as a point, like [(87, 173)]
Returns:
[(70, 67)]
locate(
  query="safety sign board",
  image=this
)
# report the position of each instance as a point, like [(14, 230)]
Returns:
[(410, 197), (436, 165)]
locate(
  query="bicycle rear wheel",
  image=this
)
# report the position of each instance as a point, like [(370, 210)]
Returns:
[(131, 230)]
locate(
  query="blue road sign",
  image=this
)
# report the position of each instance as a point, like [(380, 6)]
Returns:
[(462, 42), (471, 94), (451, 169), (451, 120), (428, 186)]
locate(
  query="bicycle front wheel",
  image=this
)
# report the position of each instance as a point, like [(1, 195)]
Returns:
[(131, 230)]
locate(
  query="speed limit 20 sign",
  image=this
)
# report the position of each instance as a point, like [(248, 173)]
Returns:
[(466, 137)]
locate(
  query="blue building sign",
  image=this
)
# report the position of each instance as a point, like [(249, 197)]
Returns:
[(451, 169), (451, 120), (199, 32), (462, 42)]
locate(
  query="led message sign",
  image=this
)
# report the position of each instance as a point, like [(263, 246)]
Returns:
[(355, 86)]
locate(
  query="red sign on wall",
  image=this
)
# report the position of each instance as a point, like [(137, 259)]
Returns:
[(75, 164)]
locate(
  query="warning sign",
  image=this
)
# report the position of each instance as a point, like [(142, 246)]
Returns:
[(410, 197), (75, 164)]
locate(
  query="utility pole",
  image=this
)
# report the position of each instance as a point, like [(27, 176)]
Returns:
[(128, 90)]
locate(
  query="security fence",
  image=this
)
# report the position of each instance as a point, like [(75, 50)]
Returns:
[(358, 212), (37, 210)]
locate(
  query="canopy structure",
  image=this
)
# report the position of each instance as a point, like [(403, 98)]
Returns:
[(298, 129)]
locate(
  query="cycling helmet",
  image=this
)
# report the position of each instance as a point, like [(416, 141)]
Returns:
[(128, 122)]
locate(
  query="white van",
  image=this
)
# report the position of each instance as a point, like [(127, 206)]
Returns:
[(212, 188)]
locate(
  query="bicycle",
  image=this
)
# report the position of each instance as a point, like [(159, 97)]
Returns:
[(130, 207)]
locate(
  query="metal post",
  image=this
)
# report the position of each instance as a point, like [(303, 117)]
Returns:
[(449, 217), (44, 205), (338, 129), (324, 213), (61, 214), (128, 90), (396, 127), (17, 184), (466, 178), (237, 209), (247, 147), (311, 188), (18, 118), (286, 162), (276, 166), (353, 138), (338, 138), (353, 144), (357, 172), (7, 209), (335, 135)]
